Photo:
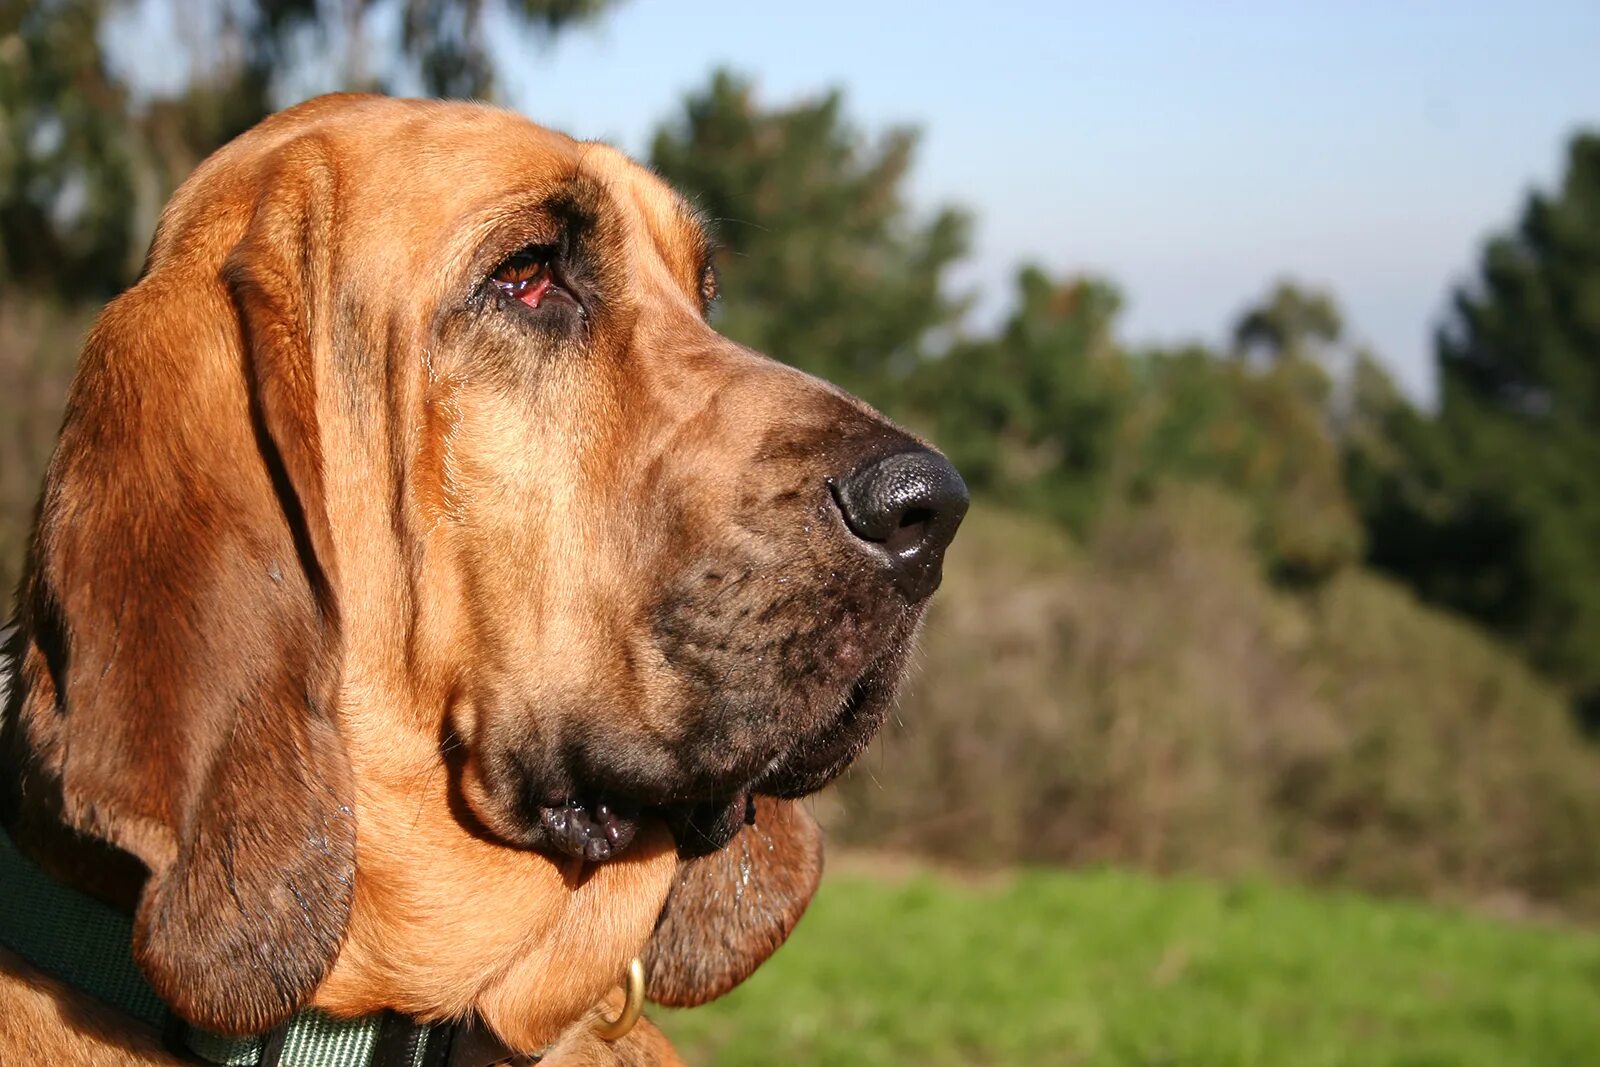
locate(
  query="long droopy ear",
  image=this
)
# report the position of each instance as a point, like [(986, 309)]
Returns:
[(179, 646), (730, 910)]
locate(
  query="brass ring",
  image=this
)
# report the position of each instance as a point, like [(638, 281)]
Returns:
[(632, 1006)]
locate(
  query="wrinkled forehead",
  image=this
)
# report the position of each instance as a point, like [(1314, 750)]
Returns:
[(468, 176)]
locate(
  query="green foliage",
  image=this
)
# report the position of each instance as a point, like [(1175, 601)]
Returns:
[(1052, 417), (66, 171), (1526, 340), (1293, 323), (1109, 969), (445, 38), (1033, 414), (1152, 700), (1493, 508), (821, 263), (1261, 435)]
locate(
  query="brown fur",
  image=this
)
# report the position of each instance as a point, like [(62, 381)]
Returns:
[(339, 559), (715, 899)]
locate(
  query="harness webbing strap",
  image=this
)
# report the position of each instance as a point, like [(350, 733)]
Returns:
[(88, 945)]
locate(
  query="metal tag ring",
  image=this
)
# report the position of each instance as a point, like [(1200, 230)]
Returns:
[(632, 1006)]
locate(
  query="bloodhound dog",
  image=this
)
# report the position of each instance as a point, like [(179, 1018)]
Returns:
[(428, 612)]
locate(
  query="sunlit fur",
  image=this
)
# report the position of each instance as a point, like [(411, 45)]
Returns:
[(339, 561)]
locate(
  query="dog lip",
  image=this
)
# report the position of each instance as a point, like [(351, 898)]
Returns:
[(832, 748), (700, 829), (595, 832), (598, 822), (602, 830)]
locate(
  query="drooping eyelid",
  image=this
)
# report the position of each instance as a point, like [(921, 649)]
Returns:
[(530, 258), (507, 242), (559, 218), (575, 216)]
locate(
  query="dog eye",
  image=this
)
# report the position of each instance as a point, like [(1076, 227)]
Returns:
[(526, 275)]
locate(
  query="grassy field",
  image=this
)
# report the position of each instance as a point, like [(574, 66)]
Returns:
[(1110, 968)]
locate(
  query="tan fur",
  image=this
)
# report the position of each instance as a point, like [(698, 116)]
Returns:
[(316, 520), (46, 1022)]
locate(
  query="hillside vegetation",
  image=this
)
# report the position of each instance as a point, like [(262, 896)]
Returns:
[(1153, 699), (1112, 969)]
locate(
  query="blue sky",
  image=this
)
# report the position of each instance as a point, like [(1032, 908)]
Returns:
[(1191, 152)]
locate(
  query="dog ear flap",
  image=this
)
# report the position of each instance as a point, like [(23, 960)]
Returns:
[(730, 910), (179, 634)]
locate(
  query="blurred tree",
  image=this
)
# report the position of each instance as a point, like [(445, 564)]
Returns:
[(1525, 341), (1032, 414), (445, 37), (833, 273), (1292, 323), (66, 175), (1052, 416), (1259, 433), (1494, 507)]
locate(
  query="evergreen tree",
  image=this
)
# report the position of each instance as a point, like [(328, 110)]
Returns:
[(1032, 414), (1262, 435), (66, 172), (1494, 507), (1292, 323), (824, 266)]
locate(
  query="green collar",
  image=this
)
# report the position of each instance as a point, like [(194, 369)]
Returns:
[(88, 945)]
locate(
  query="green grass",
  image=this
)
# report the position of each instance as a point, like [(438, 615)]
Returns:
[(1112, 968)]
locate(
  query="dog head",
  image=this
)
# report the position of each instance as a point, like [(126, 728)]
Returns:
[(434, 603)]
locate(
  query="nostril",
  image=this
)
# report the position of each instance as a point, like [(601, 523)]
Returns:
[(906, 506), (911, 530)]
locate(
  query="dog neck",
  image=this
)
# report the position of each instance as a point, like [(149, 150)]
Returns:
[(87, 945)]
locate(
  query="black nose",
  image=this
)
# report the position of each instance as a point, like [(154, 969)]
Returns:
[(906, 506)]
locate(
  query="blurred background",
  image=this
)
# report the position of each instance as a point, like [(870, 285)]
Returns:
[(1259, 719)]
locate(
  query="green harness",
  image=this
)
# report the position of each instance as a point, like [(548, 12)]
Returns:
[(87, 944)]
